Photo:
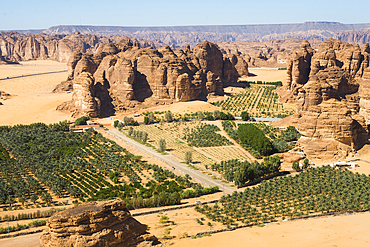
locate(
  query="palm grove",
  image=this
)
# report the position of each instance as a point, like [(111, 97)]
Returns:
[(38, 162)]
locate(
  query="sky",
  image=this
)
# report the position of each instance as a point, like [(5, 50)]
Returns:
[(42, 14)]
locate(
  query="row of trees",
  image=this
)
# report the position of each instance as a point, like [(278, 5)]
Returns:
[(205, 135), (141, 135), (241, 172)]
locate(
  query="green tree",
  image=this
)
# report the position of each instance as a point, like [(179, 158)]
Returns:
[(306, 164), (10, 200), (188, 157), (130, 131), (216, 114), (272, 163), (22, 200), (151, 117), (127, 120), (115, 123), (144, 137), (296, 166), (200, 115), (46, 197), (34, 198), (82, 120), (168, 116), (120, 125), (146, 120), (162, 145), (245, 115)]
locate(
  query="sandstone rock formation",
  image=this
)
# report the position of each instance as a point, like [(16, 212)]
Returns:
[(105, 223), (15, 47), (331, 93), (125, 75)]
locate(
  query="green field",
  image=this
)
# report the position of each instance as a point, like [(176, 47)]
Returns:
[(257, 100)]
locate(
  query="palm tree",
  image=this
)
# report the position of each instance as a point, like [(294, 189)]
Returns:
[(46, 197), (22, 200), (34, 198), (10, 200)]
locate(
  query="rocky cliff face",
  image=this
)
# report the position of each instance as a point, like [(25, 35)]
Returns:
[(125, 75), (331, 92), (15, 47), (105, 223)]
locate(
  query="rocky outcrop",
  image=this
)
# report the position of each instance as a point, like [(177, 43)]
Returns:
[(125, 75), (84, 101), (105, 223), (4, 96), (15, 47), (331, 93), (299, 66)]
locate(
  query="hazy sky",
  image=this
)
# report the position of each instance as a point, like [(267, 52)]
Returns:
[(42, 14)]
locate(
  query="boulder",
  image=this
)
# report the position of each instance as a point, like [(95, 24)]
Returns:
[(104, 223)]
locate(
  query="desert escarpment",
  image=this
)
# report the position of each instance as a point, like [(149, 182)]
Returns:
[(123, 75), (330, 89), (105, 223), (180, 36), (15, 47)]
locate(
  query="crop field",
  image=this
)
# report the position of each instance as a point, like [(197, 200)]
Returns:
[(41, 162), (317, 190), (178, 139), (257, 100), (224, 153), (174, 144)]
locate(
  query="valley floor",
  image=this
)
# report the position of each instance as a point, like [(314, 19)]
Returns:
[(33, 101)]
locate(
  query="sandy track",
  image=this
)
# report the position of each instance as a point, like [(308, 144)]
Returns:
[(197, 175)]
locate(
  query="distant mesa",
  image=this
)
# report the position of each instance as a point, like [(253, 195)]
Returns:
[(104, 223), (124, 75), (180, 36)]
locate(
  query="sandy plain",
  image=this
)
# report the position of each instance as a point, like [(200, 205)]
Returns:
[(30, 84)]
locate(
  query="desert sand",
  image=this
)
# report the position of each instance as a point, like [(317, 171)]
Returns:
[(32, 100), (351, 230), (266, 74)]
